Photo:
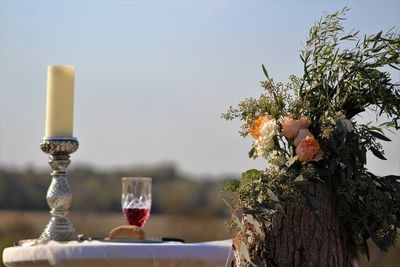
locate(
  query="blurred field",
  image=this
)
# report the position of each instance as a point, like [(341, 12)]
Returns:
[(16, 225), (191, 229)]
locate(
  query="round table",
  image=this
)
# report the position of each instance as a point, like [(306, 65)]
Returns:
[(102, 253)]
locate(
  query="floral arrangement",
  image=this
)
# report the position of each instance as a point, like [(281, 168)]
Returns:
[(307, 132)]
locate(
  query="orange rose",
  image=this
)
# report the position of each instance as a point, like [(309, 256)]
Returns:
[(308, 149), (257, 124), (291, 127)]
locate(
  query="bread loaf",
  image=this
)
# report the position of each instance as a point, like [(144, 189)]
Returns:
[(127, 231)]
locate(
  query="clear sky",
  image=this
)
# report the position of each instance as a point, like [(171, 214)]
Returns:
[(153, 77)]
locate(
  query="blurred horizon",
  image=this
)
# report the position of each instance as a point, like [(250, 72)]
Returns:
[(152, 78), (46, 170)]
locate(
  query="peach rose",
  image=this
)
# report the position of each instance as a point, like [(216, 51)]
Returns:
[(291, 127), (257, 124), (308, 149), (303, 133)]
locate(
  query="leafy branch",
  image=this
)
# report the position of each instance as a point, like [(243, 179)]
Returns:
[(350, 79)]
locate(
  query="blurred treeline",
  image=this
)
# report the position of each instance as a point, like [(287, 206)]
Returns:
[(174, 192)]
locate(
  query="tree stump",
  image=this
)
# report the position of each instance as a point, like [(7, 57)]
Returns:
[(298, 238)]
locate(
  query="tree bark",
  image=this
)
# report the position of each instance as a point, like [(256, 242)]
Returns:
[(300, 239)]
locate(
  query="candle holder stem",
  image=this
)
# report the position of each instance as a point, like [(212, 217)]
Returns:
[(59, 194)]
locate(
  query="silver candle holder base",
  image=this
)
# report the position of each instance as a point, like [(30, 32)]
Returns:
[(59, 194)]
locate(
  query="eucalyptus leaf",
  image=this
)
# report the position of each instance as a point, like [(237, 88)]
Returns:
[(257, 225), (251, 211), (237, 222), (244, 252), (394, 178), (272, 196), (377, 153), (265, 71), (380, 136), (252, 152)]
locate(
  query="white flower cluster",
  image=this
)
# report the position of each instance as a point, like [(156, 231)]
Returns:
[(265, 143), (346, 123)]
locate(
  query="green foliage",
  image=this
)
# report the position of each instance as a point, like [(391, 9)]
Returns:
[(349, 80), (344, 75), (371, 207)]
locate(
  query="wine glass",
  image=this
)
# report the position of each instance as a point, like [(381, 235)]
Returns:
[(136, 199)]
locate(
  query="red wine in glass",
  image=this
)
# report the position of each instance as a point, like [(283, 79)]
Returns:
[(136, 199), (136, 216)]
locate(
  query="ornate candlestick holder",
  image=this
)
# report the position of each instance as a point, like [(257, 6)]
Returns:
[(59, 194)]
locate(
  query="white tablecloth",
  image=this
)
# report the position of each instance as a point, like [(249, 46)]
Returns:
[(97, 253)]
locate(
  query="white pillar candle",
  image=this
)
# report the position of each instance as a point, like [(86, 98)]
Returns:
[(60, 101)]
